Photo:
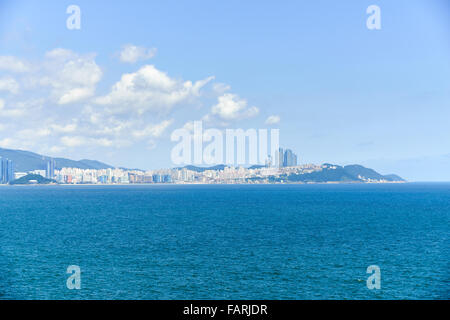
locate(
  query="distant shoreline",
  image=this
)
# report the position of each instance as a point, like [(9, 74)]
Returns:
[(210, 184)]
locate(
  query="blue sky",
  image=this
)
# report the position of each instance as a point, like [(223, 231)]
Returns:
[(343, 93)]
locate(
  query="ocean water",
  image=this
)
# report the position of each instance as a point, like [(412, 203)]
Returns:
[(225, 241)]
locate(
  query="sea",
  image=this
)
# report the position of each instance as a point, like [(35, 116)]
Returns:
[(225, 241)]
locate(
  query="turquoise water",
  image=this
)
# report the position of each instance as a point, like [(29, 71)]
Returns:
[(225, 242)]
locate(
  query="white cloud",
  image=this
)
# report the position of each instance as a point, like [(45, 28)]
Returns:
[(64, 128), (71, 77), (274, 119), (102, 142), (116, 120), (78, 141), (9, 113), (75, 94), (8, 143), (131, 53), (9, 84), (122, 117), (231, 107), (149, 89), (18, 109), (113, 127), (13, 113), (60, 53), (75, 141), (189, 126), (13, 64), (33, 103), (153, 130), (221, 88), (33, 133), (55, 150)]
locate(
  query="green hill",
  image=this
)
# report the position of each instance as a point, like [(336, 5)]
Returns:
[(335, 173), (32, 179), (394, 177)]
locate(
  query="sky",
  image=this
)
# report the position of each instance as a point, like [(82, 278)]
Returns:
[(116, 88)]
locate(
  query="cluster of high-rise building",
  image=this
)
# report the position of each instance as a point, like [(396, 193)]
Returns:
[(285, 163), (178, 175), (286, 158), (6, 170), (111, 176), (90, 176)]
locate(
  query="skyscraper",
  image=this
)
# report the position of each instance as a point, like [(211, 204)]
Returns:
[(6, 170), (50, 172), (286, 158), (290, 158), (1, 170), (10, 170), (287, 161), (280, 158)]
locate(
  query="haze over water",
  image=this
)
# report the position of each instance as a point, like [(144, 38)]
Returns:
[(225, 241)]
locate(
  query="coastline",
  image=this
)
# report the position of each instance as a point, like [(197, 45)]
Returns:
[(209, 184)]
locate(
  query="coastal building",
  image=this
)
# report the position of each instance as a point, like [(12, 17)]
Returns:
[(289, 159), (286, 158), (50, 172), (6, 170), (280, 158)]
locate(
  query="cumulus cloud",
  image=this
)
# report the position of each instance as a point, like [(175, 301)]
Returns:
[(72, 77), (13, 64), (64, 77), (9, 84), (71, 127), (153, 130), (221, 88), (149, 89), (75, 141), (61, 77), (231, 107), (132, 54), (189, 126), (9, 112), (7, 143), (136, 109), (274, 119), (75, 94), (33, 133), (78, 141)]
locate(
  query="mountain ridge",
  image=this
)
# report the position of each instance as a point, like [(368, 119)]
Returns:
[(25, 161)]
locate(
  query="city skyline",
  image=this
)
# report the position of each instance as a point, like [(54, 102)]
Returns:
[(83, 93), (284, 169), (309, 173)]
